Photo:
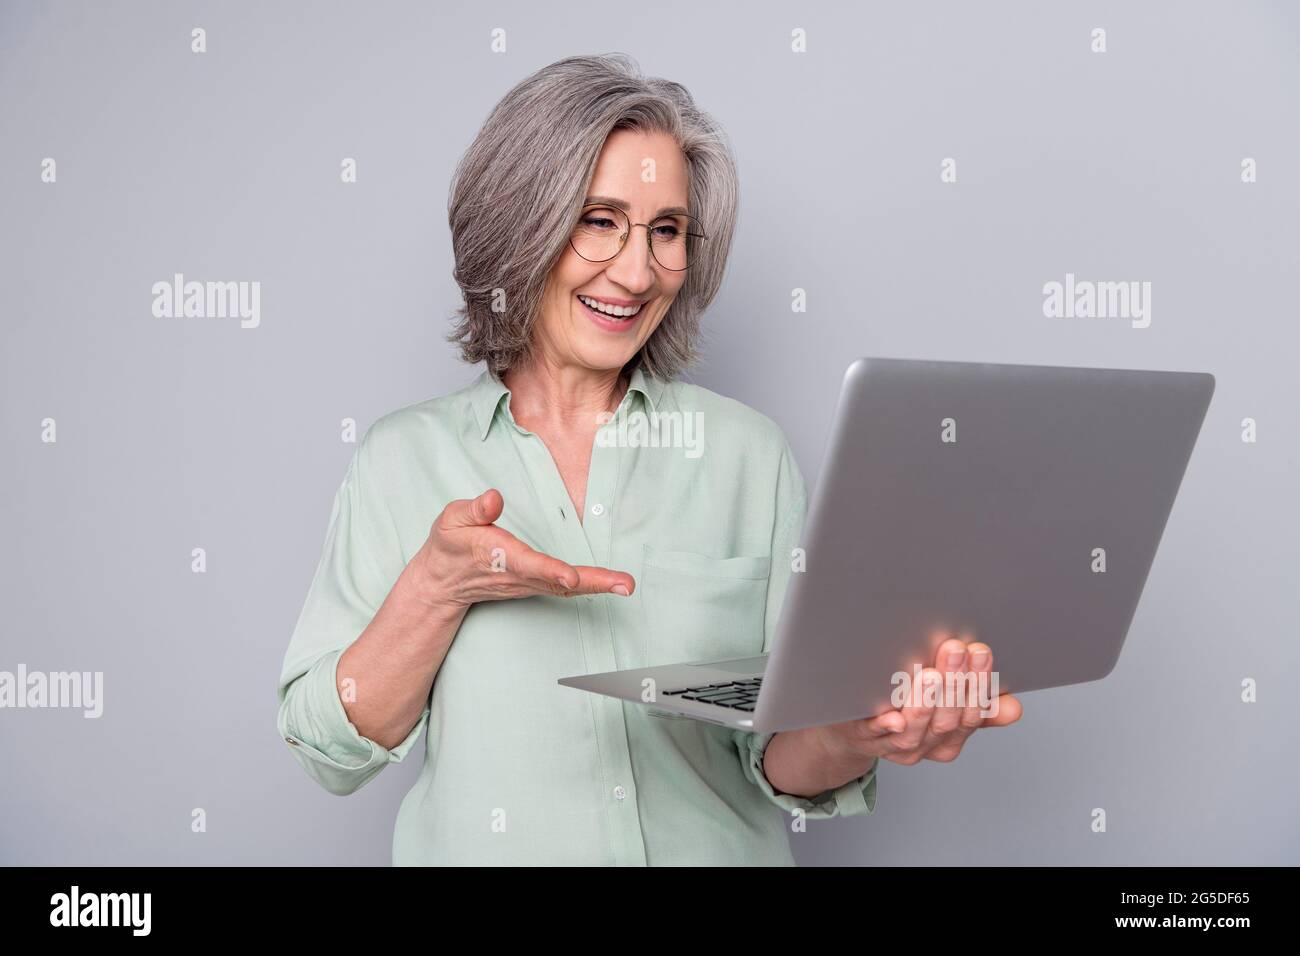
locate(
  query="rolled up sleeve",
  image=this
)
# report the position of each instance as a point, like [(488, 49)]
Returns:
[(359, 565), (857, 796), (853, 798)]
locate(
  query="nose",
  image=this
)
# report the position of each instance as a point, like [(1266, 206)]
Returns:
[(633, 267)]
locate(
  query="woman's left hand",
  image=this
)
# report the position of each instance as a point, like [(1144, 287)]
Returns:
[(918, 732)]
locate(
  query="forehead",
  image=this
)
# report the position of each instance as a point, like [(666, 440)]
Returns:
[(649, 170)]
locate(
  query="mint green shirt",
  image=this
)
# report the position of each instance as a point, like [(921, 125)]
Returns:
[(517, 768)]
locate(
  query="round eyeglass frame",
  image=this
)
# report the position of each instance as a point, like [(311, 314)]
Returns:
[(622, 240)]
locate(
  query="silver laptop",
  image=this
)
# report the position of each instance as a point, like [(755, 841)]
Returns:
[(1019, 505)]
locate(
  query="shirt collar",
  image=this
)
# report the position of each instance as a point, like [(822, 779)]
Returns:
[(487, 390), (484, 396), (651, 388)]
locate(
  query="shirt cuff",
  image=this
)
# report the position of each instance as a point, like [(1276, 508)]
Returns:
[(315, 726), (851, 799)]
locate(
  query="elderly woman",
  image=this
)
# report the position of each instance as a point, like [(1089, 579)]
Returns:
[(487, 542)]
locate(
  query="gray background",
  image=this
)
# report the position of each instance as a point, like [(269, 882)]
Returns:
[(182, 433)]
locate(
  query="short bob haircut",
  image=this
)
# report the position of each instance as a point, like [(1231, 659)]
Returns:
[(519, 189)]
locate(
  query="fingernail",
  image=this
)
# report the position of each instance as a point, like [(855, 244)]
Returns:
[(979, 659), (620, 589), (954, 659)]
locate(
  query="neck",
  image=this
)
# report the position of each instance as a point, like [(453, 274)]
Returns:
[(563, 395)]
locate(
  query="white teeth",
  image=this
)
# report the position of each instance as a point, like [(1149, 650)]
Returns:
[(614, 311)]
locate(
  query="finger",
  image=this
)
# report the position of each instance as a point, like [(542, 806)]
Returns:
[(917, 713), (541, 571), (951, 660), (882, 725), (499, 551), (473, 512), (1007, 711), (947, 747), (980, 662), (551, 575), (593, 580), (949, 750)]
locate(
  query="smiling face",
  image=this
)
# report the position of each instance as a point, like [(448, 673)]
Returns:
[(570, 332)]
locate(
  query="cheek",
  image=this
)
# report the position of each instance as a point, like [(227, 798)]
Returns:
[(663, 306), (648, 329), (572, 272)]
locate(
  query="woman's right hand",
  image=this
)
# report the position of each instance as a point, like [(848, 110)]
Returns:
[(468, 559)]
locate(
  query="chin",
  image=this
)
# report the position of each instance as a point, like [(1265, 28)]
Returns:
[(600, 355), (603, 350)]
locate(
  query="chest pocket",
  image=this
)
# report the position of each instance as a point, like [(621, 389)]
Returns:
[(699, 608)]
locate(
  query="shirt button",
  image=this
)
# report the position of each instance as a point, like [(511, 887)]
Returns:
[(619, 793), (598, 509)]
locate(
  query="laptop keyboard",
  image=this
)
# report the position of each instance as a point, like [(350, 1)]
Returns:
[(738, 694)]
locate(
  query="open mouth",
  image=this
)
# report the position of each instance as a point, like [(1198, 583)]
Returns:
[(610, 313)]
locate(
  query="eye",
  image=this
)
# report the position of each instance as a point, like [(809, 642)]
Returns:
[(599, 220), (669, 229)]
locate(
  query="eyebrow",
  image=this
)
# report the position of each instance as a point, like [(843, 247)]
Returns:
[(624, 205)]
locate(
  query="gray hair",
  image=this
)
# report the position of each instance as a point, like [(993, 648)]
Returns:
[(520, 186)]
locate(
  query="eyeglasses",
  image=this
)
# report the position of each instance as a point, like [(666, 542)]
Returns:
[(602, 231)]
